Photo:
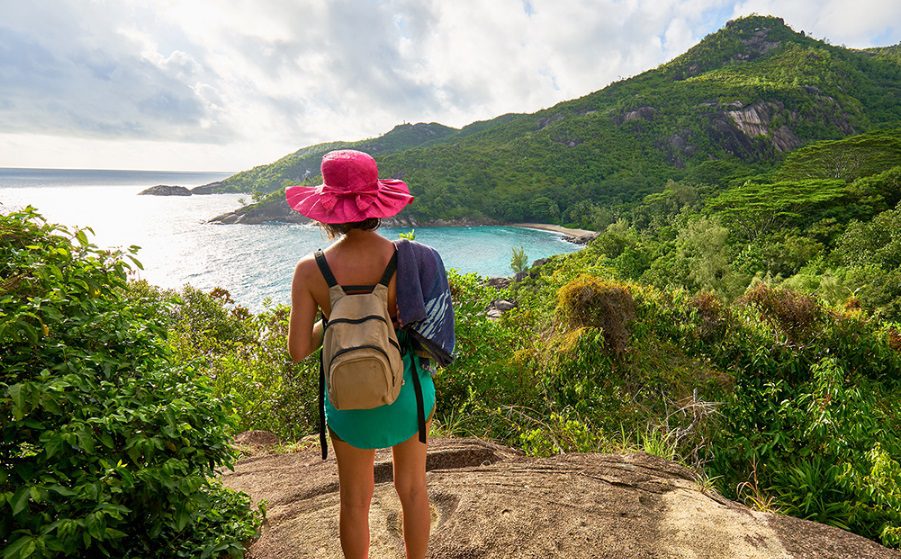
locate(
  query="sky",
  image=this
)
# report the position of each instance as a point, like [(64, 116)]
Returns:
[(210, 85)]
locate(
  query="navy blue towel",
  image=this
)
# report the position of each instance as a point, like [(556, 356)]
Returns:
[(424, 300)]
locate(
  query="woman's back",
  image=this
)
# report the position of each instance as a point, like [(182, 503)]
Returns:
[(356, 260)]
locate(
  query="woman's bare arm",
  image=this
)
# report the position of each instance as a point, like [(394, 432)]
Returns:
[(303, 336)]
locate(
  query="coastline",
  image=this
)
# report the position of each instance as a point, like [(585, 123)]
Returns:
[(281, 213), (569, 232)]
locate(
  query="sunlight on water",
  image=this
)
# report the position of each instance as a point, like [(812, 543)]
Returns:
[(253, 262)]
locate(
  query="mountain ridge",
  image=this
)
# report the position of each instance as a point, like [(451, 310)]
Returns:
[(729, 107)]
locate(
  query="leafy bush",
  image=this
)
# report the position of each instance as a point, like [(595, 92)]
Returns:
[(109, 445), (242, 356), (792, 313), (589, 301), (821, 448), (714, 316)]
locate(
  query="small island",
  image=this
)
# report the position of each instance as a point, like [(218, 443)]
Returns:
[(165, 190)]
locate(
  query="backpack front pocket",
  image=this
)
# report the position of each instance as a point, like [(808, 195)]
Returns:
[(361, 378)]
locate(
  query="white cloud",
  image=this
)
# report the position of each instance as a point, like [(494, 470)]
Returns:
[(203, 84)]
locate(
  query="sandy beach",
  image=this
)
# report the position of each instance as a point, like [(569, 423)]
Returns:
[(556, 229)]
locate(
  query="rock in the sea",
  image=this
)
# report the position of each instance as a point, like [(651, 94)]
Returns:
[(165, 190), (489, 501), (581, 239)]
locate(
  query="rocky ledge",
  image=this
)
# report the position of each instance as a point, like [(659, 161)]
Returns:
[(490, 501), (165, 190), (261, 213), (209, 188)]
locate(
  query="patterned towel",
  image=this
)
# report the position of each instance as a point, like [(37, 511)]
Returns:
[(423, 299)]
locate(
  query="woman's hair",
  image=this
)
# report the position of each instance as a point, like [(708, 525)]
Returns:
[(336, 229)]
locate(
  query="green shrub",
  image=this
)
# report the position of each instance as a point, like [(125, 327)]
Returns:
[(822, 448), (591, 301), (792, 313), (109, 445), (243, 357)]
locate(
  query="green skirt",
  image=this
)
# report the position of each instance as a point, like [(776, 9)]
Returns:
[(386, 426)]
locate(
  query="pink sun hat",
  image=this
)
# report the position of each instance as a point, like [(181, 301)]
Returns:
[(350, 191)]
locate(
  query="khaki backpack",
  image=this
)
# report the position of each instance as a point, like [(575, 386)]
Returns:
[(361, 357), (361, 360)]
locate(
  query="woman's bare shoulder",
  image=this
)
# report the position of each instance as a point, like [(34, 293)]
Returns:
[(306, 268)]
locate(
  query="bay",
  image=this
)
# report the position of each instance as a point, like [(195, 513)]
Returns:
[(253, 262)]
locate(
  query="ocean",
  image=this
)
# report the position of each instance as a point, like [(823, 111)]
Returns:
[(253, 262)]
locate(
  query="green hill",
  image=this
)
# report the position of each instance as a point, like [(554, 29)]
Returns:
[(303, 163), (730, 107)]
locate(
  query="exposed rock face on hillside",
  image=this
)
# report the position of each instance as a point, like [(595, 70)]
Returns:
[(488, 501), (754, 120), (641, 113), (165, 190)]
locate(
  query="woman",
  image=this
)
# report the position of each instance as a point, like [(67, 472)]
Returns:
[(349, 205)]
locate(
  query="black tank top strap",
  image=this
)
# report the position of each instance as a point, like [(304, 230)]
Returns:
[(324, 268), (389, 269)]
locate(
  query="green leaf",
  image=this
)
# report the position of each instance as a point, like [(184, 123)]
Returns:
[(82, 238), (114, 534), (135, 261), (17, 393), (21, 548), (64, 491), (19, 500), (53, 445)]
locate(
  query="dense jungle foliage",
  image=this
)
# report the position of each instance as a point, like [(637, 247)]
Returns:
[(730, 108), (110, 442)]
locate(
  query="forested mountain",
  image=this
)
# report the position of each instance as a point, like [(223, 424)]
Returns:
[(731, 107)]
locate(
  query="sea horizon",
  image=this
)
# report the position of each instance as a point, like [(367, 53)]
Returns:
[(7, 168)]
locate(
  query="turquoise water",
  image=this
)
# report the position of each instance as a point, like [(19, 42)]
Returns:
[(253, 262)]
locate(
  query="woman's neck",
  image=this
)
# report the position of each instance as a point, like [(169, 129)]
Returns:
[(355, 236)]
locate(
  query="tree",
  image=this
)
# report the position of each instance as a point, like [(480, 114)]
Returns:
[(520, 261)]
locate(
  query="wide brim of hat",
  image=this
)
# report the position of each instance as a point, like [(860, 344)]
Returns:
[(392, 196)]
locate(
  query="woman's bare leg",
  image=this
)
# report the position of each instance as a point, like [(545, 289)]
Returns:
[(409, 481), (356, 483)]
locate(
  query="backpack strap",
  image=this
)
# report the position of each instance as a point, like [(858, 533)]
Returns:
[(323, 443), (420, 406), (389, 269), (417, 387), (324, 268)]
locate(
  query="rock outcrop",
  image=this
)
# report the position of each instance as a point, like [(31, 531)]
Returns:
[(754, 120), (641, 113), (209, 188), (489, 501), (165, 190), (272, 210)]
